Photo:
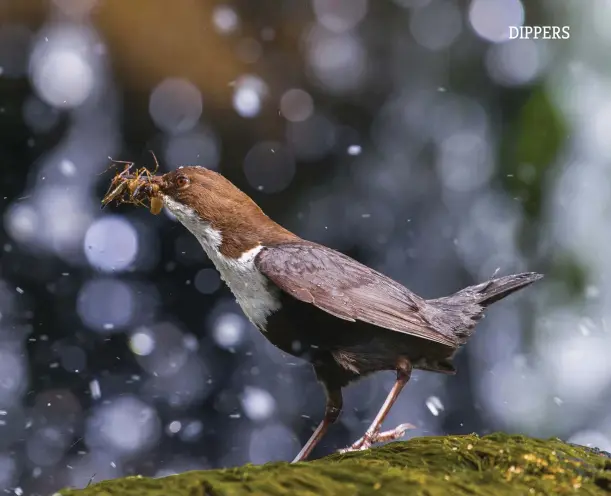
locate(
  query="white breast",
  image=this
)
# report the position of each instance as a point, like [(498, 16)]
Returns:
[(255, 296)]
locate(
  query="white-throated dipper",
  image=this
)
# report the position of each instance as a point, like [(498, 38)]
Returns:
[(313, 302)]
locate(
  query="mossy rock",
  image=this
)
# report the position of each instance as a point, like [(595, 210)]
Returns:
[(497, 464)]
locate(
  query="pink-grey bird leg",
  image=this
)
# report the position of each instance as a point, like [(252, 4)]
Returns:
[(332, 411), (372, 434)]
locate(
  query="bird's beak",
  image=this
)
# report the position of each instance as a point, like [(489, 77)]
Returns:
[(159, 181), (149, 186)]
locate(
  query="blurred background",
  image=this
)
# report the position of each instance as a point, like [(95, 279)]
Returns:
[(410, 134)]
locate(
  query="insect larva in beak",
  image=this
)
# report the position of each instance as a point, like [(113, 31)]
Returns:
[(156, 205), (134, 185), (114, 194)]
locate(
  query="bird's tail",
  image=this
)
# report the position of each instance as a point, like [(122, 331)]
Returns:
[(457, 314)]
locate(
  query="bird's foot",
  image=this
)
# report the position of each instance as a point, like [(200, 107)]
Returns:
[(374, 437)]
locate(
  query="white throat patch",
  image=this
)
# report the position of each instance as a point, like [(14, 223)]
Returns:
[(257, 298)]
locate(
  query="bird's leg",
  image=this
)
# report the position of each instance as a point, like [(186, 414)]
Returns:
[(373, 434), (332, 411), (364, 442)]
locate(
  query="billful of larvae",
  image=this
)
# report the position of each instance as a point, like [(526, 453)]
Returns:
[(348, 320)]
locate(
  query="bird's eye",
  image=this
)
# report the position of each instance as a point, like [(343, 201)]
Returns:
[(182, 181)]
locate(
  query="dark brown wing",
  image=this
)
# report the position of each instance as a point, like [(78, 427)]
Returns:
[(345, 288)]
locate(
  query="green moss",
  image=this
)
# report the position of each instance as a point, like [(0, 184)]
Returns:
[(497, 464)]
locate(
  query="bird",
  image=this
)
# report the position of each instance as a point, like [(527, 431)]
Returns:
[(310, 301)]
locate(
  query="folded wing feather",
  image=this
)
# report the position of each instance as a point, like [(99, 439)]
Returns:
[(345, 288)]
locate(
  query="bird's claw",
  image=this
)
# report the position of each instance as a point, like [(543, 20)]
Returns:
[(374, 437)]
